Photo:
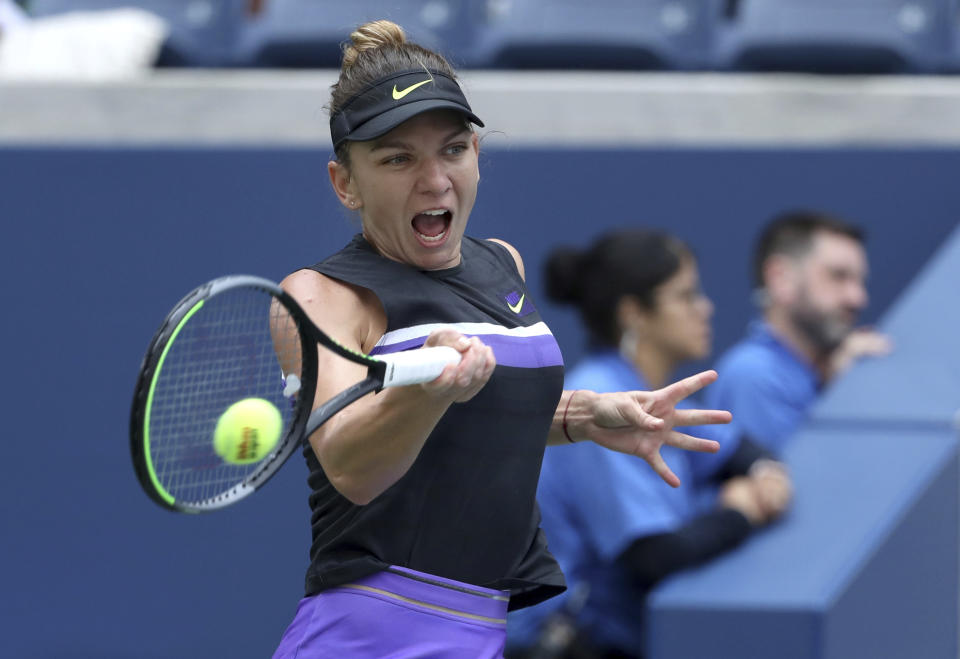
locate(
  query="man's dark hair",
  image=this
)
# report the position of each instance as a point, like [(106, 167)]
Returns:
[(792, 233)]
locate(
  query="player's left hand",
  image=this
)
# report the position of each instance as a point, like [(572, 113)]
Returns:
[(641, 422)]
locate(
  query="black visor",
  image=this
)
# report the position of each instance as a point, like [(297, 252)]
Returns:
[(390, 101)]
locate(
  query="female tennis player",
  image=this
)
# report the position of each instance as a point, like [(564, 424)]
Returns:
[(425, 526)]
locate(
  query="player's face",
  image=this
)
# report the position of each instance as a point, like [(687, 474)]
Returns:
[(679, 324), (415, 188), (831, 291)]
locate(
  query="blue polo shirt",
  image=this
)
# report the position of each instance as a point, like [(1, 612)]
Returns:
[(596, 502), (767, 386)]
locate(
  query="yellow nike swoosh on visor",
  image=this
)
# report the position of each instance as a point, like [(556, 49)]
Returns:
[(515, 308), (397, 95)]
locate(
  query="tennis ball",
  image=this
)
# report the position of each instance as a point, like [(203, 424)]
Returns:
[(247, 431)]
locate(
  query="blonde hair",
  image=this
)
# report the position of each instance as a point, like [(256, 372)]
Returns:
[(370, 36), (378, 49)]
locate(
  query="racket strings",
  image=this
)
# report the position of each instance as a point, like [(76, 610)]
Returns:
[(233, 347)]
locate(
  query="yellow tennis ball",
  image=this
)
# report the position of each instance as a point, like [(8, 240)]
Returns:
[(247, 431)]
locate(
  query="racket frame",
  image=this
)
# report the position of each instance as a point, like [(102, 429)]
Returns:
[(394, 370), (151, 366)]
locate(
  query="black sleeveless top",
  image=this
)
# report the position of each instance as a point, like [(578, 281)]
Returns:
[(466, 509)]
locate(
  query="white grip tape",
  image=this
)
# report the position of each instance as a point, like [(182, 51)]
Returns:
[(415, 366)]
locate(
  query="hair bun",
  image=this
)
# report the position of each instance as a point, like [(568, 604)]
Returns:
[(372, 36), (563, 275)]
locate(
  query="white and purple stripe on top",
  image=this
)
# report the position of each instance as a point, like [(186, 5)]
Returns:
[(523, 347)]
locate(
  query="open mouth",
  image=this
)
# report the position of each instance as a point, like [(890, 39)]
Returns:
[(432, 226)]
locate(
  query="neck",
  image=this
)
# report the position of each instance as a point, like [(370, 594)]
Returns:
[(787, 332), (653, 364)]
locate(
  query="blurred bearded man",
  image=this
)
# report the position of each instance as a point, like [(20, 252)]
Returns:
[(810, 270)]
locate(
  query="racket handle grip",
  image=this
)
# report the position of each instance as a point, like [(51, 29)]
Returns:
[(415, 366)]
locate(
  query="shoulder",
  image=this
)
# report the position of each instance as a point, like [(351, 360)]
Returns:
[(309, 287), (351, 314), (751, 380), (514, 254), (747, 358)]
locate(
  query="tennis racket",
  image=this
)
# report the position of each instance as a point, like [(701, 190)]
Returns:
[(235, 338)]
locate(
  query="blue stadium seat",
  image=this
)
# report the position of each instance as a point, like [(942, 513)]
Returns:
[(309, 33), (613, 34), (836, 36), (202, 32)]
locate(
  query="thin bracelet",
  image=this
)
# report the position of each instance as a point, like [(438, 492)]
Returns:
[(565, 410)]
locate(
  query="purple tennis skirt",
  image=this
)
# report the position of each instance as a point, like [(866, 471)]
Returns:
[(398, 613)]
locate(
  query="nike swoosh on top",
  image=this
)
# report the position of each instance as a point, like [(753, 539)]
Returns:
[(397, 95), (515, 308)]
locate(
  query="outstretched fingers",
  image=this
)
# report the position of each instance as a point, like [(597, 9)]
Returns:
[(636, 416), (655, 460), (677, 391), (691, 443), (700, 417)]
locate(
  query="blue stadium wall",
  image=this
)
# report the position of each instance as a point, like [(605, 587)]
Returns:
[(99, 243)]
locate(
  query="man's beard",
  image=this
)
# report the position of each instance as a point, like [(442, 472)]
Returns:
[(825, 330)]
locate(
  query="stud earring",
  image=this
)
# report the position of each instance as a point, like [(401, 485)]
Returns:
[(628, 343)]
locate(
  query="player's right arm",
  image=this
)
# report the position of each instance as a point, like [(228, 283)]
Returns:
[(369, 445)]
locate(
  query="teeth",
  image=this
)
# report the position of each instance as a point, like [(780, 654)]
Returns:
[(431, 239)]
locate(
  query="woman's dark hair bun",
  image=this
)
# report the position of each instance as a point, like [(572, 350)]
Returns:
[(562, 271)]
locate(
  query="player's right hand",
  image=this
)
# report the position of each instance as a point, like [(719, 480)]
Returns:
[(461, 382)]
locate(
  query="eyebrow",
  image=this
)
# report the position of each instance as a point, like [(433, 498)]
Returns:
[(400, 144)]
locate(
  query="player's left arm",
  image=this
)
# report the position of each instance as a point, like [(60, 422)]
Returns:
[(637, 422)]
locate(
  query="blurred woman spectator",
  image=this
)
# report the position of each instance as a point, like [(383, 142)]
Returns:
[(613, 525)]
